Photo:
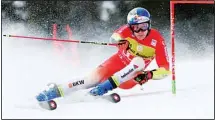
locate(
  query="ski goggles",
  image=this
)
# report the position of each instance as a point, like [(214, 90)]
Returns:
[(140, 27)]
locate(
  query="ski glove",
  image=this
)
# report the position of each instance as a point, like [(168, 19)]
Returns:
[(155, 74), (123, 45), (160, 73), (144, 77)]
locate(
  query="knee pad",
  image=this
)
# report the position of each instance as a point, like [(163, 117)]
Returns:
[(138, 63)]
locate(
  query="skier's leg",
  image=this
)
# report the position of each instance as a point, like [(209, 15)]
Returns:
[(105, 70), (129, 72), (128, 84), (131, 83), (111, 66)]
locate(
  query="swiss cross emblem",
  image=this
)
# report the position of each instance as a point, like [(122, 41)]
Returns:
[(153, 42)]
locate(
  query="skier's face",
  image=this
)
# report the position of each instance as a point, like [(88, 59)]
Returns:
[(140, 30)]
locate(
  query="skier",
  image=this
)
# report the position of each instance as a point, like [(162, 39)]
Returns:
[(138, 45)]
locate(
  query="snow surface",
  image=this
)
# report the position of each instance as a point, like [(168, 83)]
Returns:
[(28, 65)]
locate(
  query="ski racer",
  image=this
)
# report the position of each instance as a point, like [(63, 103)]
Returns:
[(138, 44)]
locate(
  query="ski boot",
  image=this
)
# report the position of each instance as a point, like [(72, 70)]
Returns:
[(103, 87), (53, 91)]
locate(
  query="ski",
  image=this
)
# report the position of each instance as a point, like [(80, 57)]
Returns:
[(114, 97), (52, 104), (48, 105)]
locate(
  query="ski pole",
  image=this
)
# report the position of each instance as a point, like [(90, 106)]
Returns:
[(62, 40)]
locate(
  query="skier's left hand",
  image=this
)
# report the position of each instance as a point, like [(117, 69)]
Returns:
[(155, 74), (123, 45), (143, 77), (160, 73)]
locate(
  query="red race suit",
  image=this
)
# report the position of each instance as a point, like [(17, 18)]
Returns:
[(153, 46)]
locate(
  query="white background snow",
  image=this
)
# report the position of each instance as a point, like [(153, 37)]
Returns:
[(28, 65)]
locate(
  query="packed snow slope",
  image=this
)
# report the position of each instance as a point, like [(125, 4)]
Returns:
[(28, 65)]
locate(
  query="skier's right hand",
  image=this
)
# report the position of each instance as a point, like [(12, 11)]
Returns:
[(144, 77), (156, 74), (123, 45)]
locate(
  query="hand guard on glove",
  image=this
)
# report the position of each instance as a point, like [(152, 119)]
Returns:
[(123, 45), (155, 74)]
